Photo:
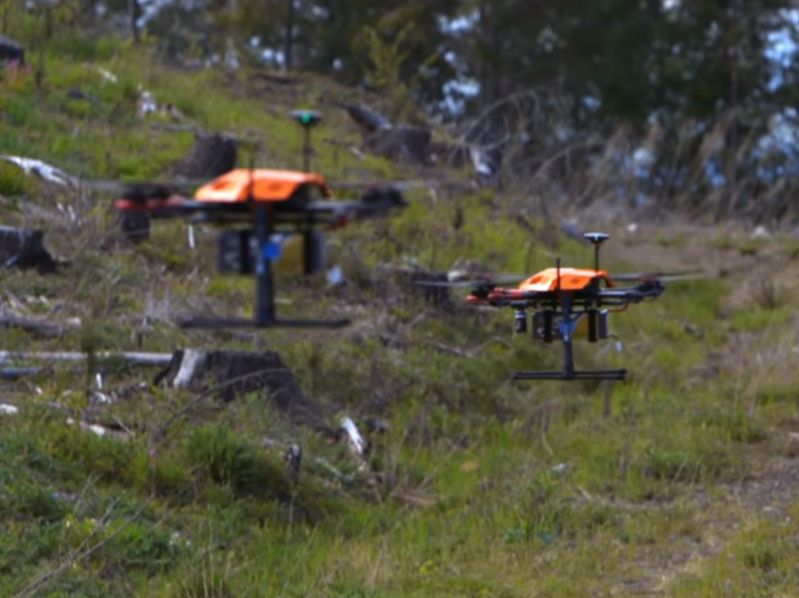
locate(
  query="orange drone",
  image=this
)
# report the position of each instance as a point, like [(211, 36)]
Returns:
[(266, 202), (560, 298)]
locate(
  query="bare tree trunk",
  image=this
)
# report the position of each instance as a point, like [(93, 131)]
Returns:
[(134, 11), (288, 47)]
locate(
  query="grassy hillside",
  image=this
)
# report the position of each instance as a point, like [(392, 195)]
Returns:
[(681, 481)]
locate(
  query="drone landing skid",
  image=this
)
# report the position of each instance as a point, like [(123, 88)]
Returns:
[(575, 375), (265, 314), (222, 323)]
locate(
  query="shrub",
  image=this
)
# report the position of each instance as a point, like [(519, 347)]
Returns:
[(13, 181), (684, 464), (230, 461)]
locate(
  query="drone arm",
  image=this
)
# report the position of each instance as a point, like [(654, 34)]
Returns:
[(336, 212), (651, 289), (171, 206)]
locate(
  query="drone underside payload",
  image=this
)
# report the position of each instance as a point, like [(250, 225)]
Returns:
[(562, 322)]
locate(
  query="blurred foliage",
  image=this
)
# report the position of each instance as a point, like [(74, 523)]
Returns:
[(684, 59), (669, 105)]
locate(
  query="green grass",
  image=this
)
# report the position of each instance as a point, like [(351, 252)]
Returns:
[(760, 560)]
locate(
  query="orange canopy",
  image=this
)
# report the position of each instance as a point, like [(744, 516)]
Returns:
[(261, 184), (571, 279)]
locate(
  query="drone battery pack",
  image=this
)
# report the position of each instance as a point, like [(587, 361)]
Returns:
[(602, 324), (544, 326), (234, 252), (597, 325), (314, 251)]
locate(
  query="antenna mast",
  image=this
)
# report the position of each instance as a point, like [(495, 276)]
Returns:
[(307, 120), (596, 239)]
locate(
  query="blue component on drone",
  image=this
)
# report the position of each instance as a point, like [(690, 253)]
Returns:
[(272, 250)]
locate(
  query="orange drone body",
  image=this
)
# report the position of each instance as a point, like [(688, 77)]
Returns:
[(260, 184), (549, 280), (571, 279)]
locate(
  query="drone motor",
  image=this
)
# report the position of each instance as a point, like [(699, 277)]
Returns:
[(597, 325)]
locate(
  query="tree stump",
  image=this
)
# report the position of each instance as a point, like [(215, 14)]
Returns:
[(402, 143), (11, 52), (24, 248), (211, 156), (230, 374)]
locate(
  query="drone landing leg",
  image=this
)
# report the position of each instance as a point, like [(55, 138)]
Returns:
[(264, 283), (569, 373), (265, 312), (576, 375), (568, 354)]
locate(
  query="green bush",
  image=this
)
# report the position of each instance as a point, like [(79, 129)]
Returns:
[(13, 181), (205, 581), (169, 477), (110, 459), (777, 392), (685, 464), (140, 545), (230, 461)]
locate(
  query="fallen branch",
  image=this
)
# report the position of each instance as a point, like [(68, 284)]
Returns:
[(43, 327), (357, 443), (444, 348), (467, 353), (332, 470), (17, 373), (131, 358), (43, 170)]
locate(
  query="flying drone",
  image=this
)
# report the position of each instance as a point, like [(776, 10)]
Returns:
[(560, 298), (262, 203)]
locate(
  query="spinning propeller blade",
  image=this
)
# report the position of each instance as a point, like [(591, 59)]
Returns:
[(401, 185), (488, 281), (660, 276)]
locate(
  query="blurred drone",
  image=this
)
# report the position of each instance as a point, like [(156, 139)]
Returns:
[(265, 202), (560, 298)]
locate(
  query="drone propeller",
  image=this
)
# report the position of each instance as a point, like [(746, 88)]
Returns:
[(60, 177), (475, 283), (401, 185), (141, 192), (660, 276)]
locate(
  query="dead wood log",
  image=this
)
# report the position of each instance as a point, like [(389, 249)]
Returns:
[(17, 373), (274, 78), (130, 358), (41, 327), (367, 119), (403, 143), (358, 445), (450, 154)]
